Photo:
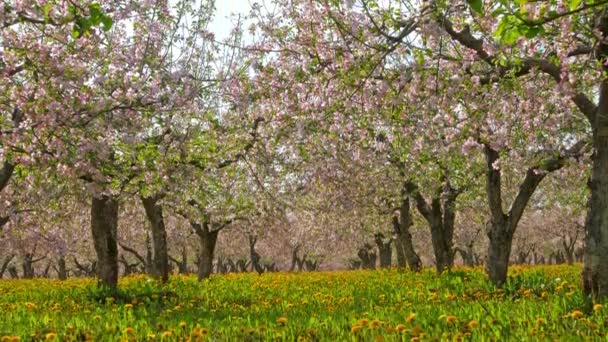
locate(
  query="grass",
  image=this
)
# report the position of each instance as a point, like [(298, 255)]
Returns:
[(538, 303)]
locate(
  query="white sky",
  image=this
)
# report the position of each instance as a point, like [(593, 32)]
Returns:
[(222, 24)]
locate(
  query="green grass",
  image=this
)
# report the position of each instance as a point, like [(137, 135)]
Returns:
[(539, 303)]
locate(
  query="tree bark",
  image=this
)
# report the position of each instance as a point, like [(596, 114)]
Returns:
[(104, 225), (62, 271), (384, 250), (440, 215), (207, 240), (595, 270), (5, 264), (403, 238), (255, 256), (501, 227), (154, 212)]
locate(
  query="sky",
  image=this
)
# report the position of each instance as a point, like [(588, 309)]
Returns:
[(222, 24)]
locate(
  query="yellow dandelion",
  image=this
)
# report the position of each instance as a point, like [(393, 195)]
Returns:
[(473, 324), (167, 333), (378, 339), (15, 339), (576, 314), (5, 338), (410, 318), (128, 306), (282, 321), (451, 319), (355, 329), (182, 325), (204, 331), (540, 321), (374, 323), (598, 307), (151, 337), (364, 321), (129, 331), (50, 336), (400, 327)]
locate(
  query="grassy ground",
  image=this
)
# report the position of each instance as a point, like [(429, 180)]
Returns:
[(539, 303)]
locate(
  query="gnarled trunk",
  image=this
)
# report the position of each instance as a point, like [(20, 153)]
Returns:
[(5, 264), (62, 271), (104, 225), (501, 227), (384, 250), (154, 212), (207, 240), (595, 271), (403, 239), (440, 215), (255, 256), (499, 251)]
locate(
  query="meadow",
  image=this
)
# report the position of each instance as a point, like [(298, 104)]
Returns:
[(538, 303)]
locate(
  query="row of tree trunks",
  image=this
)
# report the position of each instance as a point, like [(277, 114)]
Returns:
[(595, 270)]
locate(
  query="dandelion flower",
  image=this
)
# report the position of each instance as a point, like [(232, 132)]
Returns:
[(597, 307), (450, 319), (182, 325), (129, 331), (355, 329), (576, 314), (128, 306), (50, 336), (410, 318), (400, 327), (282, 321), (473, 324)]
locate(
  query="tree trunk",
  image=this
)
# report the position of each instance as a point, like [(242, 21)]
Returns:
[(12, 270), (467, 256), (499, 250), (403, 238), (104, 224), (501, 227), (595, 270), (294, 258), (62, 271), (154, 212), (207, 240), (442, 247), (440, 215), (384, 250), (28, 268), (5, 264), (255, 256)]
